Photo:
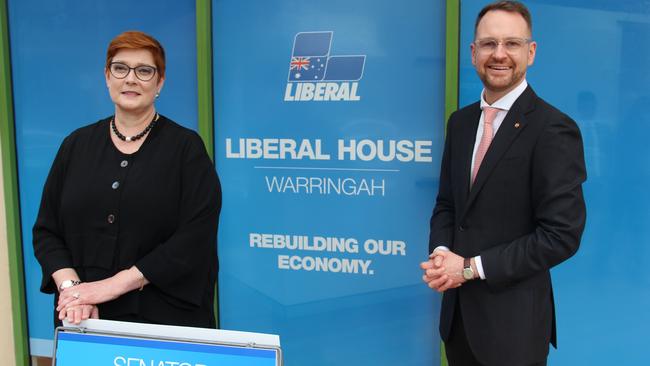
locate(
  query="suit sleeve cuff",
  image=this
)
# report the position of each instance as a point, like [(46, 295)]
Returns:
[(479, 266), (439, 247)]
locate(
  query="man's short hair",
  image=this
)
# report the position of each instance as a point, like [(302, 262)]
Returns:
[(509, 6)]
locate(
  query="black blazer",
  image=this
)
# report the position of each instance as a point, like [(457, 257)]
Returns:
[(158, 209), (524, 214)]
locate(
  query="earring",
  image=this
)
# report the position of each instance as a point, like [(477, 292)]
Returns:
[(157, 95)]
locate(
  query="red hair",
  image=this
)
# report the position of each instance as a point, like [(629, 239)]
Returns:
[(137, 40)]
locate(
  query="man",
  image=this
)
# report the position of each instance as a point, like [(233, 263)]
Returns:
[(509, 207)]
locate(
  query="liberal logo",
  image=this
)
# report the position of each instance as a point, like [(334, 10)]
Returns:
[(315, 75)]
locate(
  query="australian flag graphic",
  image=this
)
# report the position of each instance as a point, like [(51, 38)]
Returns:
[(311, 60)]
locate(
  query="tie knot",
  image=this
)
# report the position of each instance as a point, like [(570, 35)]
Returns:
[(489, 113)]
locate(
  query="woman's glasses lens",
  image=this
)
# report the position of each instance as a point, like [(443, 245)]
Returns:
[(142, 72)]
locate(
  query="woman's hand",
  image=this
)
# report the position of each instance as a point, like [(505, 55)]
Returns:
[(76, 314), (99, 292), (88, 293)]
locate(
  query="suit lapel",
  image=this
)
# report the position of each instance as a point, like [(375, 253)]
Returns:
[(469, 137), (510, 128)]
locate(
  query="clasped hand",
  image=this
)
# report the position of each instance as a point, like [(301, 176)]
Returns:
[(79, 302), (443, 270)]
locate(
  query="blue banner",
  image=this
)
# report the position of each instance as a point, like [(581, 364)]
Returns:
[(608, 99), (82, 349), (329, 128)]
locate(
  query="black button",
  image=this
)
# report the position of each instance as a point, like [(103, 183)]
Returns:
[(115, 185), (111, 218), (124, 163), (461, 228)]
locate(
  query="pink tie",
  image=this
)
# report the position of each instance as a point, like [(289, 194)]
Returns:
[(488, 117)]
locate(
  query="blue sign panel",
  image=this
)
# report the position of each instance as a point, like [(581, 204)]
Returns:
[(80, 349), (601, 81), (329, 127)]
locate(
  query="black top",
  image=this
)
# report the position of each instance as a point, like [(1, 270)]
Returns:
[(103, 211)]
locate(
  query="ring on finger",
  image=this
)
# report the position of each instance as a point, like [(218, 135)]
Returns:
[(75, 295)]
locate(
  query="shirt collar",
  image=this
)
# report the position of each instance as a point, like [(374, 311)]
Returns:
[(506, 101)]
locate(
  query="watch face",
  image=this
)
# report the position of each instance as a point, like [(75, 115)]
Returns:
[(68, 283), (468, 274)]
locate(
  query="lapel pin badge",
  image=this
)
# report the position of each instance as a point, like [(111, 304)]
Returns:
[(517, 125)]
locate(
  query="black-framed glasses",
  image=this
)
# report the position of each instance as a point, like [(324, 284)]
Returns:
[(142, 72), (512, 45)]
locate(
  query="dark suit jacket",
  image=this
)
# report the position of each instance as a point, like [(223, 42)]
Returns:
[(524, 214)]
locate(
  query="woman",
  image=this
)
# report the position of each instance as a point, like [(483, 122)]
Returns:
[(128, 220)]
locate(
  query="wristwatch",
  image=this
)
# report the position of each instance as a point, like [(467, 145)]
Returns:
[(68, 283), (468, 272)]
